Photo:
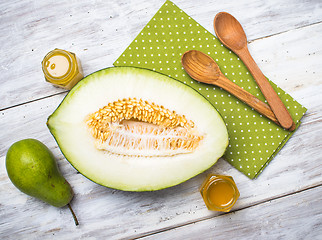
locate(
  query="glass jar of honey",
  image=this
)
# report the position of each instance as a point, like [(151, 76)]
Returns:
[(219, 192), (62, 68)]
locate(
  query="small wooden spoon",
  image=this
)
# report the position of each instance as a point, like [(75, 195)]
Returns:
[(231, 34), (204, 69)]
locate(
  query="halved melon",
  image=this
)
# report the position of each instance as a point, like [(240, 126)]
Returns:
[(137, 130)]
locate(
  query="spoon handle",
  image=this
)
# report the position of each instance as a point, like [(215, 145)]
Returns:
[(271, 96), (246, 97)]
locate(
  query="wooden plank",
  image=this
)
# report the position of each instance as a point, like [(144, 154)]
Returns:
[(296, 216), (98, 32), (107, 213)]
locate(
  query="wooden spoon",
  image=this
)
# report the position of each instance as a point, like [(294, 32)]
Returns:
[(204, 69), (231, 34)]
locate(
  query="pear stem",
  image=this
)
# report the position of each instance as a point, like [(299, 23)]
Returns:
[(74, 215)]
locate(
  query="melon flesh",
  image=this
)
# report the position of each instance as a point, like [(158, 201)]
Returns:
[(154, 165)]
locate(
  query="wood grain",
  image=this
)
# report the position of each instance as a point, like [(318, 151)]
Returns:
[(264, 221), (284, 202)]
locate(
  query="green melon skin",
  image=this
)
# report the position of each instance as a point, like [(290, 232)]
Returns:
[(33, 170), (128, 173)]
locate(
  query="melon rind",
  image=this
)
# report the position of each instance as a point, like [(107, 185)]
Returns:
[(127, 173)]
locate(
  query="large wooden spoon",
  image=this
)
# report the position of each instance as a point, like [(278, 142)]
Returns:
[(231, 34), (204, 69)]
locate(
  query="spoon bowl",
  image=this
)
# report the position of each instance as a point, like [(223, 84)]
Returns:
[(229, 31), (200, 66)]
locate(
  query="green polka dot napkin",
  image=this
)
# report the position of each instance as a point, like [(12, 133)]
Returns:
[(253, 139)]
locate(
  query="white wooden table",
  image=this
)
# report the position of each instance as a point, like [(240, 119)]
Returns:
[(285, 202)]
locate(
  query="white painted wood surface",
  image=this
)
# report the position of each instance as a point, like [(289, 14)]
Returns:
[(283, 203)]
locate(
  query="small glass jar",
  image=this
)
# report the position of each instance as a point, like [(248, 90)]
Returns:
[(62, 68), (219, 192)]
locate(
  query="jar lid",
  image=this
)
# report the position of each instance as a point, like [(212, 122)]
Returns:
[(58, 66), (219, 193)]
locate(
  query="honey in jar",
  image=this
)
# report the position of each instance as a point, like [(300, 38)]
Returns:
[(219, 192), (62, 68)]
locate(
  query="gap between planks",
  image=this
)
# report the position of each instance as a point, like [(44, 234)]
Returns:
[(286, 31), (34, 100), (149, 234)]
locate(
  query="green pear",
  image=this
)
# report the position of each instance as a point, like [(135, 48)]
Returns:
[(33, 170)]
